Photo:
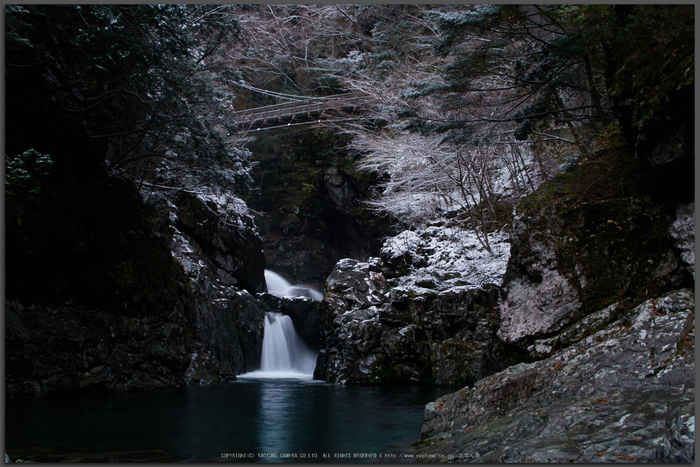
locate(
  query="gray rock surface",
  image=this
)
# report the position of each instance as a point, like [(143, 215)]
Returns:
[(220, 255), (569, 261), (374, 333), (625, 393)]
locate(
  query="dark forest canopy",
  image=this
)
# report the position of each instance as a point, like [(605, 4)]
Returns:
[(153, 88)]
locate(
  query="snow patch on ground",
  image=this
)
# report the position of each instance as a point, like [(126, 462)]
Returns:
[(441, 259)]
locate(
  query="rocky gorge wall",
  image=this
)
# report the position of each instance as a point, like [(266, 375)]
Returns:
[(578, 347), (598, 290), (437, 325), (575, 345), (131, 295), (215, 241), (625, 393), (308, 204)]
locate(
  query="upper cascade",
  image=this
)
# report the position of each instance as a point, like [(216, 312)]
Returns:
[(280, 287)]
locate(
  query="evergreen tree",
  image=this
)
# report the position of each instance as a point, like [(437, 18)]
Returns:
[(150, 83)]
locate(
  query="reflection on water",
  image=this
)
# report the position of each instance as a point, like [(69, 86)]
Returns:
[(199, 423), (275, 422)]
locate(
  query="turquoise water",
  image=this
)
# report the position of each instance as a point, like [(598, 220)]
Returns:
[(249, 420)]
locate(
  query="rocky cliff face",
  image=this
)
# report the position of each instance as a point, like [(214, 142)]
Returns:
[(624, 393), (58, 348), (598, 289), (149, 294), (383, 325), (308, 205), (215, 241), (94, 299), (568, 262)]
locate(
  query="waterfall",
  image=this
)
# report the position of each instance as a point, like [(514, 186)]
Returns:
[(284, 354), (283, 350), (279, 287)]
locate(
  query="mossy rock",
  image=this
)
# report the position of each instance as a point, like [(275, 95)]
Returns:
[(617, 249)]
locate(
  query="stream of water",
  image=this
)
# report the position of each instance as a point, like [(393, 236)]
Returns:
[(280, 287), (284, 354)]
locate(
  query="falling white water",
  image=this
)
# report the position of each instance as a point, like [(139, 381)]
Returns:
[(279, 287), (284, 354)]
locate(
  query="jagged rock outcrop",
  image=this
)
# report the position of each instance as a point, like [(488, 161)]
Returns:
[(226, 319), (124, 299), (625, 393), (568, 261), (377, 326), (226, 234)]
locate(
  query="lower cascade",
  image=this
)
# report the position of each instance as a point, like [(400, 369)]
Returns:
[(284, 353)]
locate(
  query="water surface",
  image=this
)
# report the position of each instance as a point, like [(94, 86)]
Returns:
[(251, 419)]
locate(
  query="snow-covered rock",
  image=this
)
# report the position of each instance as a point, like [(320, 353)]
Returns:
[(423, 312), (444, 259)]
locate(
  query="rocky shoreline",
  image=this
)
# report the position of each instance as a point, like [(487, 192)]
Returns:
[(625, 393)]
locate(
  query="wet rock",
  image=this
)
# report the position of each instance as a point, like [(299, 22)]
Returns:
[(625, 393), (177, 313), (303, 311), (205, 369), (91, 235), (353, 284)]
